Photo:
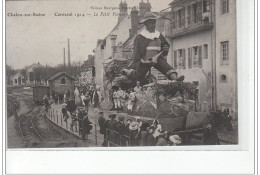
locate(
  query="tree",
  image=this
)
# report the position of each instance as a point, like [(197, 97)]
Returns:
[(24, 74), (9, 72)]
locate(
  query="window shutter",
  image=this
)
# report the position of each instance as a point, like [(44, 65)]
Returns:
[(189, 58), (183, 59), (175, 60), (173, 20), (200, 56), (183, 17), (177, 19), (189, 15), (199, 12)]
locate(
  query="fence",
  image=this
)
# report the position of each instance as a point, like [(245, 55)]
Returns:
[(72, 124), (114, 138)]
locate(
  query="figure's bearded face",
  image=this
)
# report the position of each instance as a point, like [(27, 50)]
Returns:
[(150, 25)]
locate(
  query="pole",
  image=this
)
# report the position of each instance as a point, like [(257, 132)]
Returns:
[(64, 59), (68, 52), (96, 133)]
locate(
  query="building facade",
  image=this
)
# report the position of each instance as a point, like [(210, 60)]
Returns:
[(33, 78), (87, 73), (18, 79), (203, 49), (61, 83)]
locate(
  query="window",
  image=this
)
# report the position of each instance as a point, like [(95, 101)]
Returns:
[(194, 10), (197, 56), (200, 56), (63, 81), (15, 81), (225, 6), (180, 58), (181, 18), (175, 60), (174, 15), (205, 6), (199, 12), (205, 51), (189, 57), (224, 53)]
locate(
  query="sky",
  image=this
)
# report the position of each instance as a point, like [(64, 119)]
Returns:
[(33, 39)]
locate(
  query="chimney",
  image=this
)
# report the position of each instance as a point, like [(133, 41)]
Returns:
[(64, 59), (148, 6), (144, 7), (69, 52), (113, 44), (134, 22), (122, 11)]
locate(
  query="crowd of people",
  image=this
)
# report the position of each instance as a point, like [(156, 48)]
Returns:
[(119, 131), (76, 107)]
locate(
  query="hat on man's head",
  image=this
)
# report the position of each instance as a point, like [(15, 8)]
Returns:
[(121, 118), (134, 126), (147, 16), (112, 116), (175, 139)]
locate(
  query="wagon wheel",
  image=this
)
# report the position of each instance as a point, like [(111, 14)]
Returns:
[(105, 104)]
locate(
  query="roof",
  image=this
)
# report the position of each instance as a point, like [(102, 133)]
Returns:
[(175, 2), (59, 74), (180, 2), (34, 65), (45, 86)]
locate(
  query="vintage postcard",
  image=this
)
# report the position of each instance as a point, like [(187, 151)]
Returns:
[(112, 73)]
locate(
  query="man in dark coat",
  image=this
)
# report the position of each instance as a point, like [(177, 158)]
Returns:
[(112, 129), (121, 129), (81, 115), (151, 49), (95, 99), (86, 125), (105, 143), (101, 123)]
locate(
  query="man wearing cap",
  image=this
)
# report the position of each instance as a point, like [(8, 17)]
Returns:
[(151, 49)]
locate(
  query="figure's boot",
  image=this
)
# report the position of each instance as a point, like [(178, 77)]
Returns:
[(180, 78)]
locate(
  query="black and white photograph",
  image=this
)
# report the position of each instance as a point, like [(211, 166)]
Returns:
[(112, 73)]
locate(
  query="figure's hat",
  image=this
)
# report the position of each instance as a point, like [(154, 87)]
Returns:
[(147, 16)]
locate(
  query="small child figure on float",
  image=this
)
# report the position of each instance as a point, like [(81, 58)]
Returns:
[(131, 101)]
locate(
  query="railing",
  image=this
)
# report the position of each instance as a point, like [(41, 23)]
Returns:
[(75, 128), (116, 139), (203, 24)]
